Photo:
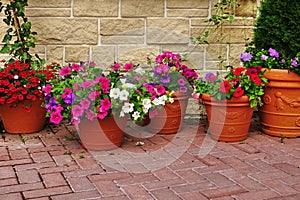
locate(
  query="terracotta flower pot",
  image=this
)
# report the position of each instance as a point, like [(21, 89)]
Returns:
[(103, 134), (18, 120), (229, 120), (170, 118), (280, 114)]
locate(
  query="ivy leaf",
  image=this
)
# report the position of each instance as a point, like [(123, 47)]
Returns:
[(5, 49)]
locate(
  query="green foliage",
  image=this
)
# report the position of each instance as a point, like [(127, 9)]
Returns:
[(222, 13), (19, 38), (277, 27)]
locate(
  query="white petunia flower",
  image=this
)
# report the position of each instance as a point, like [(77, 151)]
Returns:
[(127, 107), (16, 77), (139, 70), (123, 80), (129, 85), (156, 102), (147, 103), (145, 109), (114, 93), (171, 100), (122, 114), (124, 95), (136, 115)]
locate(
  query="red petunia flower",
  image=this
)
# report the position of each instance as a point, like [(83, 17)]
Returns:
[(225, 87), (238, 92), (238, 71), (255, 78)]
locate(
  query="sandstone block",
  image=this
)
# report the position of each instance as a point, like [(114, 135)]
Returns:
[(122, 40), (236, 22), (229, 35), (104, 56), (37, 12), (122, 27), (137, 54), (247, 8), (185, 48), (215, 52), (195, 60), (187, 13), (76, 53), (96, 8), (55, 54), (187, 4), (142, 8), (49, 3), (167, 31), (234, 54), (65, 30)]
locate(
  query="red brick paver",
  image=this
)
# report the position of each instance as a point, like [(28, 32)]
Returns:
[(49, 166)]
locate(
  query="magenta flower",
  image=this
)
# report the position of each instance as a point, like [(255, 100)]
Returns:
[(105, 104), (93, 95), (75, 120), (161, 89), (153, 113), (77, 111), (47, 89), (128, 66), (183, 89), (181, 82), (115, 67), (86, 84), (55, 117), (102, 113), (85, 104), (92, 64), (76, 67), (65, 71), (90, 115), (67, 92)]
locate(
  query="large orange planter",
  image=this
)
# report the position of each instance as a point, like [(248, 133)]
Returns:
[(280, 114), (170, 118), (17, 120), (103, 134), (229, 120)]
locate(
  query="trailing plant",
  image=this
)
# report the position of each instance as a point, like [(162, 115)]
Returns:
[(19, 38)]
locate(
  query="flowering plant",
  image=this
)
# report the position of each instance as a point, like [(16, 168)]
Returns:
[(148, 96), (85, 92), (234, 84), (172, 74), (270, 59), (20, 82)]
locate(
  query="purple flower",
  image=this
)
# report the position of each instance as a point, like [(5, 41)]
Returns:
[(294, 63), (246, 56), (165, 79), (264, 57), (283, 61), (273, 53)]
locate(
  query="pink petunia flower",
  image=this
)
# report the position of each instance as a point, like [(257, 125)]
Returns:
[(90, 115), (47, 89), (105, 104), (85, 104), (128, 66), (101, 113), (86, 84), (55, 117), (161, 89), (76, 67), (77, 111), (65, 71), (93, 95)]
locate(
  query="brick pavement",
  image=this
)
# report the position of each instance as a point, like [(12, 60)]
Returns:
[(189, 165)]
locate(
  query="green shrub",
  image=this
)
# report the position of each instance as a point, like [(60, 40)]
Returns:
[(278, 26)]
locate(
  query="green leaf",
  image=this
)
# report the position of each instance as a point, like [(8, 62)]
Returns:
[(5, 49)]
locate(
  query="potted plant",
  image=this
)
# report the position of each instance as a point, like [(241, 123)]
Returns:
[(96, 102), (178, 79), (229, 100), (23, 75), (275, 46)]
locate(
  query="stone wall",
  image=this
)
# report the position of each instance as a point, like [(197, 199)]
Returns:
[(131, 30)]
